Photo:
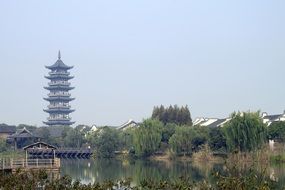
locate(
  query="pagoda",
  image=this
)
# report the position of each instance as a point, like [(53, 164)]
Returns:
[(59, 96)]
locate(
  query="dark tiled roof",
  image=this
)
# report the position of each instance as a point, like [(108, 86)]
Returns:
[(7, 129), (128, 123), (216, 123), (38, 144), (59, 64), (23, 133), (273, 117)]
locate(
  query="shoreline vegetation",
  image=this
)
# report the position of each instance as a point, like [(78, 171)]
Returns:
[(169, 135), (230, 178)]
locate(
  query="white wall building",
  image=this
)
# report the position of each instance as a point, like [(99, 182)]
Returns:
[(268, 119)]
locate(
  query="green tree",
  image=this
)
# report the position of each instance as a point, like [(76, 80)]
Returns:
[(74, 138), (181, 141), (276, 131), (167, 131), (217, 139), (30, 128), (180, 116), (147, 137), (200, 137), (106, 141), (126, 139), (187, 139), (245, 132)]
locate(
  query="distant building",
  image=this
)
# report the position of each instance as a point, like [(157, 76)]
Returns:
[(268, 119), (6, 130), (59, 96), (214, 122), (210, 122), (22, 137), (94, 128), (129, 124)]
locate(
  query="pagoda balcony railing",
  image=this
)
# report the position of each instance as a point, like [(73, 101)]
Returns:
[(59, 118), (59, 83), (59, 106), (59, 73), (59, 94)]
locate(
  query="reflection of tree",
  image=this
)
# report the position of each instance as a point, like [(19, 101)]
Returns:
[(77, 169), (100, 170), (278, 172)]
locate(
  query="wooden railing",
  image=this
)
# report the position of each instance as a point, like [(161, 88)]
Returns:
[(30, 164)]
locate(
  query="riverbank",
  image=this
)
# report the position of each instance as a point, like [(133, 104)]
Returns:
[(229, 179)]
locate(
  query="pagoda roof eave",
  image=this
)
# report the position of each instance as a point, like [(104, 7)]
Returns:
[(59, 87), (59, 110), (59, 98), (59, 77), (53, 67), (59, 122)]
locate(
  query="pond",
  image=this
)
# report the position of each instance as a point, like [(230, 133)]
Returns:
[(90, 171)]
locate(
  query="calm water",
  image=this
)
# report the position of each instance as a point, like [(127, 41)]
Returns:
[(89, 171)]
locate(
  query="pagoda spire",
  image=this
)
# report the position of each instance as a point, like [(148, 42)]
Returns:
[(59, 96), (59, 55)]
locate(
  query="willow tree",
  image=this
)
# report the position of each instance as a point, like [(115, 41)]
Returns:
[(187, 139), (147, 137), (181, 141), (245, 132)]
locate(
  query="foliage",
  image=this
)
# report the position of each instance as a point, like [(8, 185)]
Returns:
[(279, 158), (181, 141), (3, 145), (217, 140), (245, 132), (106, 141), (28, 127), (200, 138), (179, 116), (147, 138), (231, 178), (74, 138), (44, 133), (167, 131), (234, 178), (126, 138), (276, 131), (188, 139)]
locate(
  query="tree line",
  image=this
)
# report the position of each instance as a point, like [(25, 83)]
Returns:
[(172, 114), (244, 132)]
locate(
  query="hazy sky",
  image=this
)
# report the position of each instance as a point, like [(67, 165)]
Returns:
[(130, 55)]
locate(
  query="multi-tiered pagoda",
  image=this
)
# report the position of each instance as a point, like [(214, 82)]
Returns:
[(59, 96)]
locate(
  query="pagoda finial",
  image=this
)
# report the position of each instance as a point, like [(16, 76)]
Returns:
[(59, 55)]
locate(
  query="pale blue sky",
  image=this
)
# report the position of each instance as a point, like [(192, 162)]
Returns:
[(130, 55)]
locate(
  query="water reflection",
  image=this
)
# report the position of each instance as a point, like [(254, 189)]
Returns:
[(90, 171)]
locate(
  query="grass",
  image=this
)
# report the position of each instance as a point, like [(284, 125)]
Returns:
[(279, 158), (12, 154)]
